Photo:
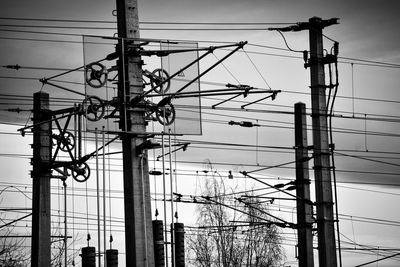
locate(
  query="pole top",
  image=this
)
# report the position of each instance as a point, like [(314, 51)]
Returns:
[(321, 23), (313, 23), (41, 93), (41, 100), (299, 103)]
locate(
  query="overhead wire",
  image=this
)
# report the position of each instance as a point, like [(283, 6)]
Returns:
[(219, 84), (344, 216), (337, 130), (257, 69), (287, 45), (249, 146), (58, 27), (41, 32), (365, 247), (361, 219), (371, 117), (243, 26), (142, 22), (366, 62), (352, 61), (368, 159), (246, 149)]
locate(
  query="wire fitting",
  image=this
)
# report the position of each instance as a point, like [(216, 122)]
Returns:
[(14, 67), (247, 124)]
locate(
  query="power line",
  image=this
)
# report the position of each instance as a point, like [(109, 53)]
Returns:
[(146, 22), (39, 32), (385, 64), (205, 144), (142, 29), (368, 159), (353, 60), (56, 20), (372, 117), (361, 219), (41, 40), (369, 190), (251, 148), (210, 145), (58, 27)]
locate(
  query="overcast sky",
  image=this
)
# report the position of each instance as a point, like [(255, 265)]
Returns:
[(368, 30)]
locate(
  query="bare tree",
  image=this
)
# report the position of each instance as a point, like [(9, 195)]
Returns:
[(13, 249), (58, 250), (233, 231)]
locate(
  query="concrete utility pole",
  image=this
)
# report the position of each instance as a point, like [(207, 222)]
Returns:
[(41, 175), (138, 224), (303, 202), (323, 183)]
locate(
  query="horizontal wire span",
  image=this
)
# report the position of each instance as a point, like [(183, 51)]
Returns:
[(353, 61), (338, 114), (93, 191)]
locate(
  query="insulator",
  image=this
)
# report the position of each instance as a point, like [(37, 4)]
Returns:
[(112, 56), (155, 172), (279, 185), (305, 56), (112, 257), (336, 48), (158, 241), (179, 232), (246, 124), (290, 188), (88, 257)]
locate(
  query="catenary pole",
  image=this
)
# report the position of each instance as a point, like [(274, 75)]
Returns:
[(41, 175), (323, 183), (138, 224), (303, 203)]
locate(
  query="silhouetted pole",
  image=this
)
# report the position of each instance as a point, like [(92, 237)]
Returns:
[(41, 174), (138, 224), (303, 202), (322, 172)]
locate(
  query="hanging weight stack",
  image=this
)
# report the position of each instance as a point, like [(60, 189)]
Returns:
[(88, 257), (112, 257), (158, 239), (179, 232)]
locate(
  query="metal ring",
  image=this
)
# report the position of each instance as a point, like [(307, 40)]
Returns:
[(66, 141), (96, 75), (166, 114), (80, 170), (157, 77), (93, 108)]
